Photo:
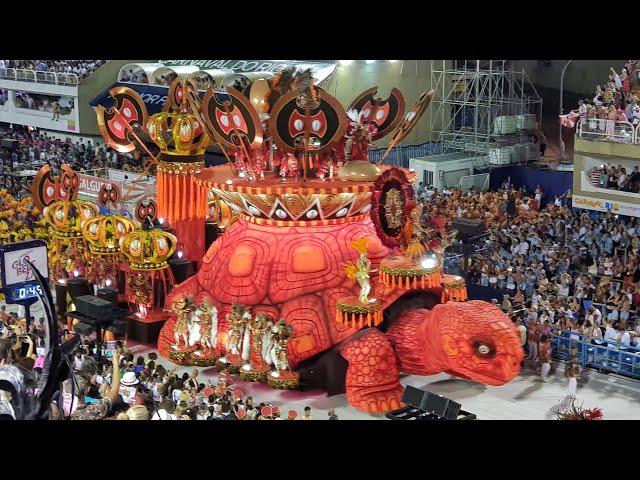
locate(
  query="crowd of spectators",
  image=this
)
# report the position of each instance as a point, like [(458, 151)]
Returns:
[(441, 209), (560, 268), (616, 101), (36, 149), (81, 68), (614, 177), (115, 384)]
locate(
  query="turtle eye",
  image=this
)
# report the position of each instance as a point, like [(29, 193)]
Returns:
[(484, 349)]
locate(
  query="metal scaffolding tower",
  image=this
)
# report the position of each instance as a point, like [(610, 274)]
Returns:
[(471, 94)]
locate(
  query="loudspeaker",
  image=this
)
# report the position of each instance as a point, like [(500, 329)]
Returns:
[(413, 396), (84, 328), (108, 294), (61, 299), (441, 406), (182, 269), (78, 287), (468, 227), (93, 306), (428, 402)]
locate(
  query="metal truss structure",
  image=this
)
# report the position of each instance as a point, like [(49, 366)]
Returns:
[(471, 94)]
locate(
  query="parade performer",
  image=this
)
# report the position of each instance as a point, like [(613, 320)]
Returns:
[(183, 308), (360, 272)]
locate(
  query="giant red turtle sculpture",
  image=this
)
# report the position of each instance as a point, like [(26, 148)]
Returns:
[(285, 257)]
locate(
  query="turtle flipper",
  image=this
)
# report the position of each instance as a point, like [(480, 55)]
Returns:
[(373, 376)]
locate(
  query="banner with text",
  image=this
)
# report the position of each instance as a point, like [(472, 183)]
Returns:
[(90, 186), (320, 69), (601, 205), (154, 96)]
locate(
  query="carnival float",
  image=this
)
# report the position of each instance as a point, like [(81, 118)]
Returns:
[(324, 276)]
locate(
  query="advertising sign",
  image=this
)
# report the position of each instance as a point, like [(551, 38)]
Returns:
[(123, 176), (250, 66), (90, 186), (14, 265), (602, 205)]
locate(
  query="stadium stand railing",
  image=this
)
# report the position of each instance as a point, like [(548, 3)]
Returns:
[(27, 75)]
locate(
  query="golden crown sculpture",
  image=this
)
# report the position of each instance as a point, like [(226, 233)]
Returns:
[(148, 249), (177, 133), (103, 233), (68, 217)]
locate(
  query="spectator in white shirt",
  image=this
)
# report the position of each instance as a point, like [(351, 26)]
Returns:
[(610, 333), (625, 336), (594, 332)]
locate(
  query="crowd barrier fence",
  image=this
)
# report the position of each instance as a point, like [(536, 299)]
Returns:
[(601, 354)]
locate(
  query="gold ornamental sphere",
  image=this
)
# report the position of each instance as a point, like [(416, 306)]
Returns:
[(359, 171)]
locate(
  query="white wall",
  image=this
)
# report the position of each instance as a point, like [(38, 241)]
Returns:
[(43, 120), (420, 165), (9, 113)]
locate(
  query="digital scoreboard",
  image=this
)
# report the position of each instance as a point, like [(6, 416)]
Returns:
[(26, 292), (19, 284)]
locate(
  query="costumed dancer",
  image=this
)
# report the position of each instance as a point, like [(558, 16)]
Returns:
[(360, 272), (288, 166), (183, 308), (241, 164), (246, 337), (238, 341), (415, 236), (195, 329), (207, 320), (277, 355), (359, 137), (545, 357), (256, 368), (141, 286), (323, 167), (258, 328), (234, 338), (258, 167), (572, 372)]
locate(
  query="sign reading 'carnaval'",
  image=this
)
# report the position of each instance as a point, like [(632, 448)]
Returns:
[(247, 66)]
